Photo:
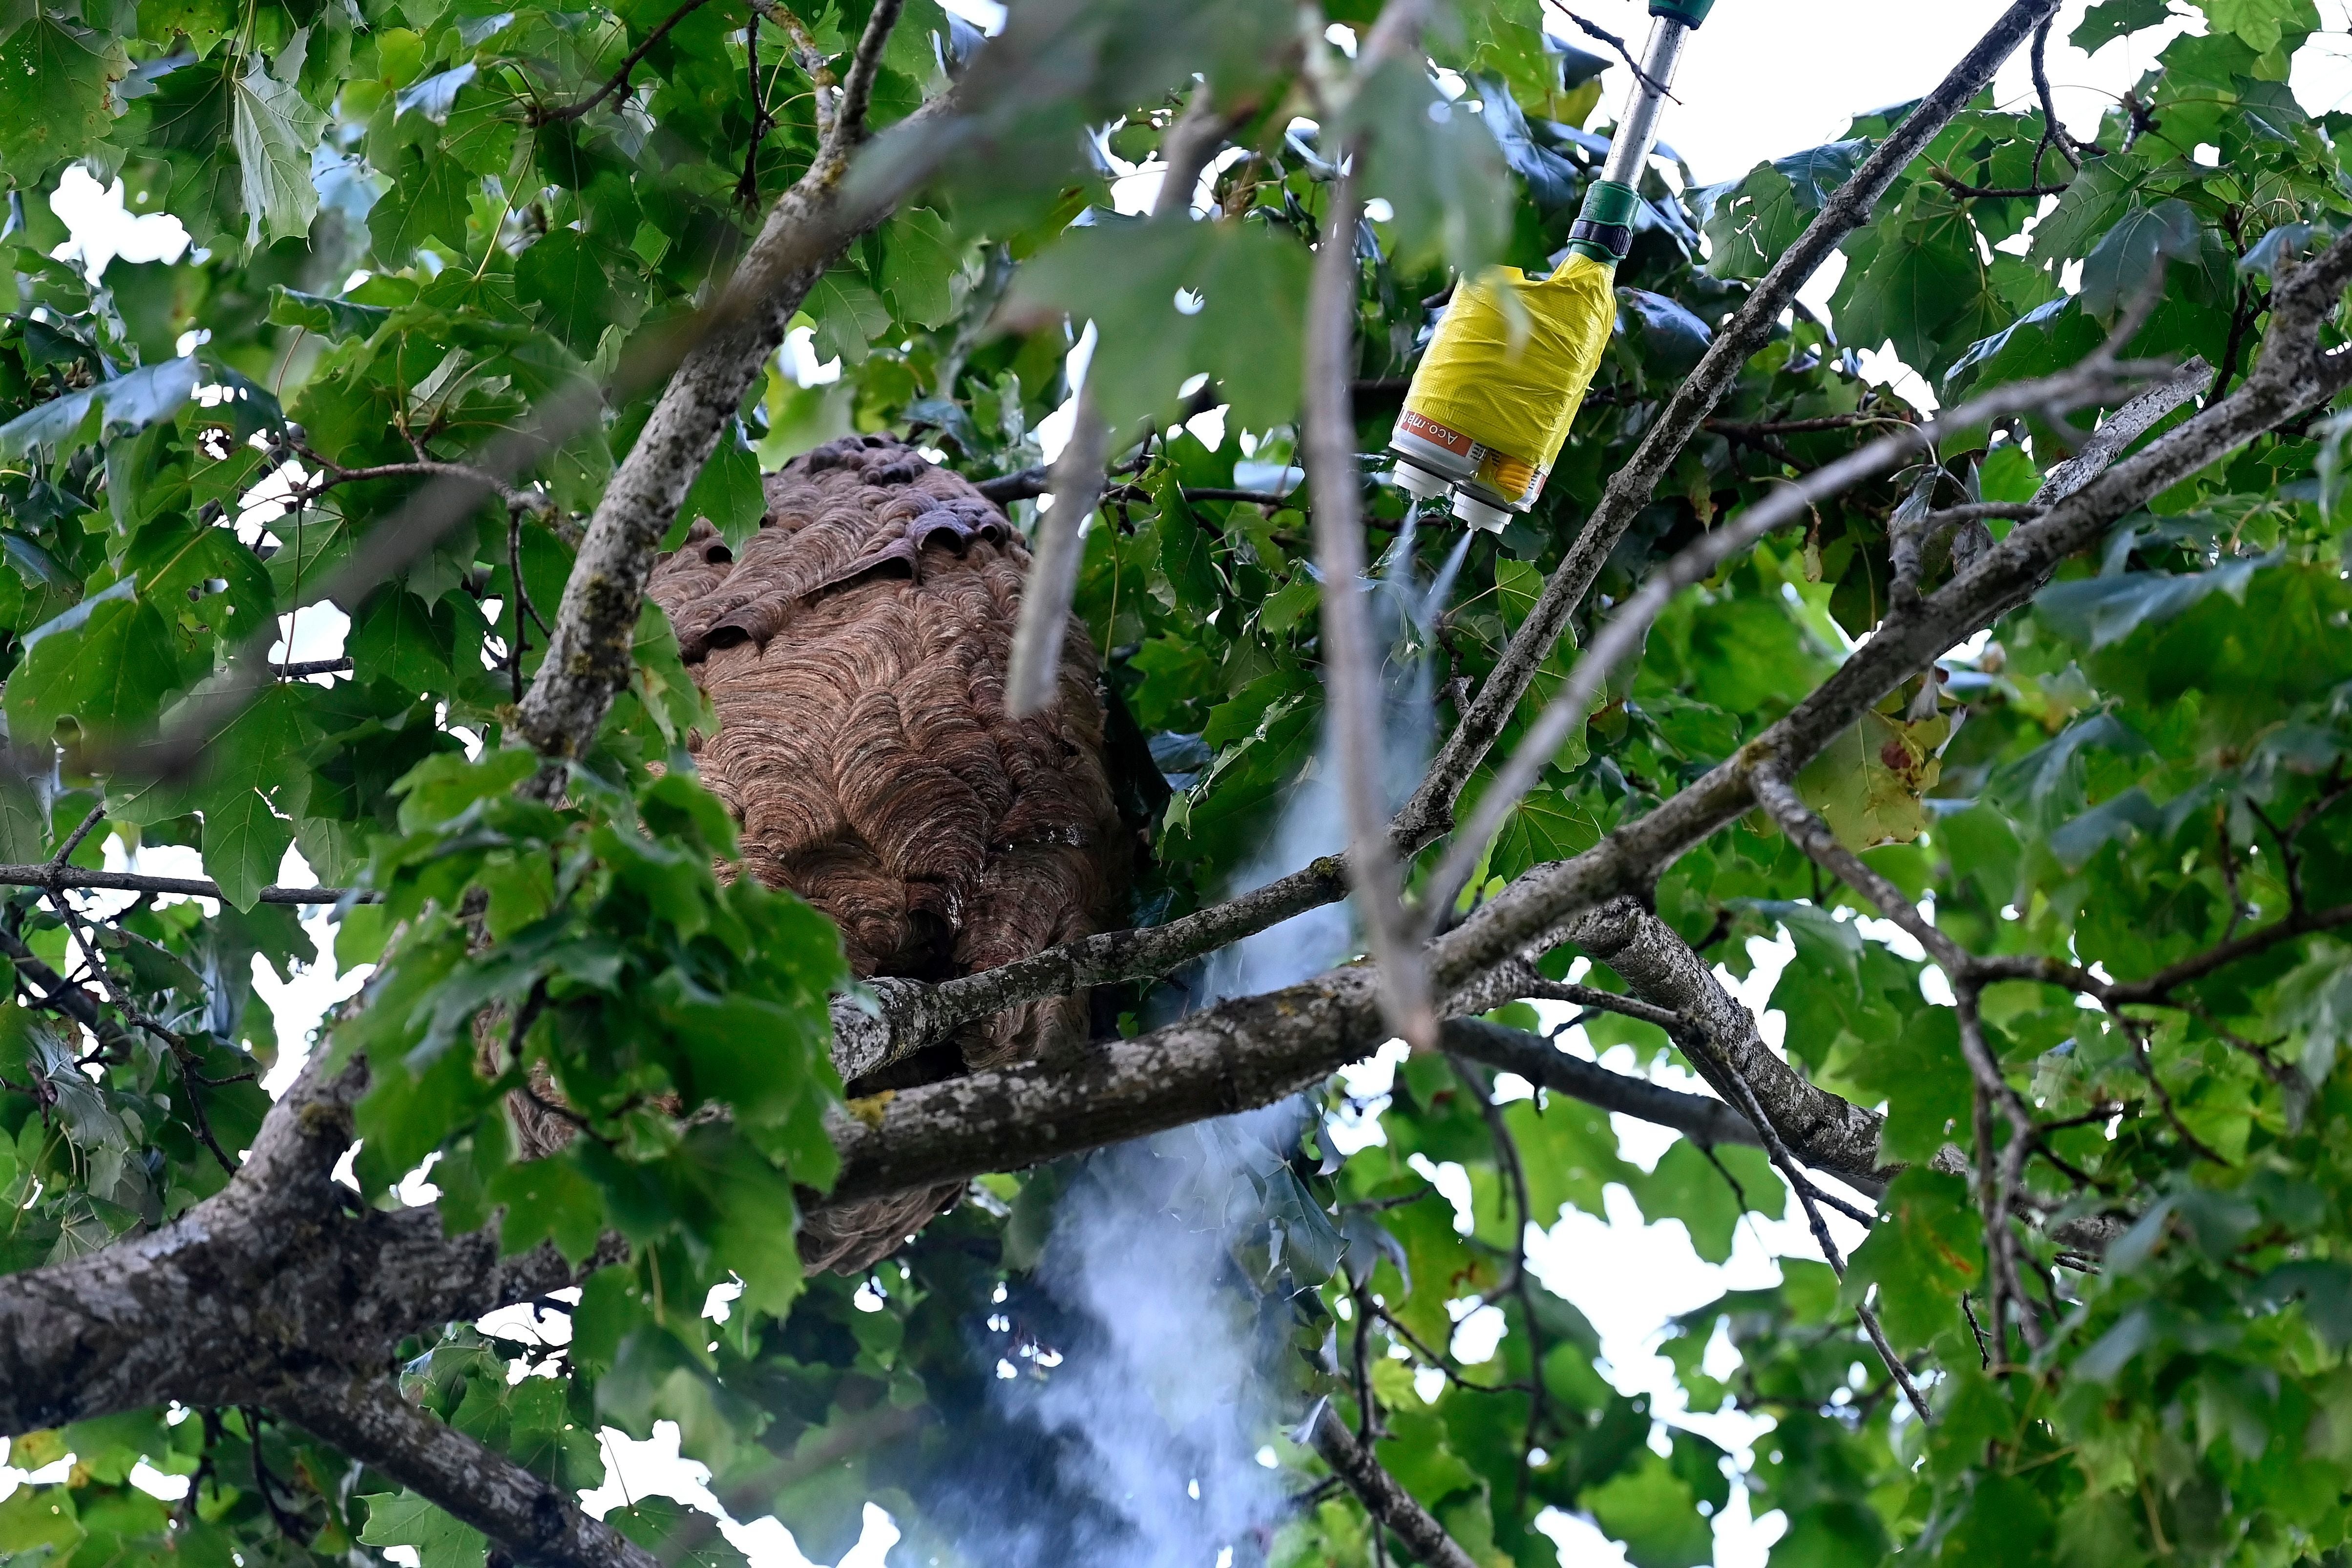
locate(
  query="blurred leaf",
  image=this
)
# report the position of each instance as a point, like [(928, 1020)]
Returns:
[(274, 127), (1652, 1511)]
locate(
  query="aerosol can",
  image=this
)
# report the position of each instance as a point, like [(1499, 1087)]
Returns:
[(1491, 399)]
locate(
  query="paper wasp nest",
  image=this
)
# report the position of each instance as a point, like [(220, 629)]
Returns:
[(855, 652)]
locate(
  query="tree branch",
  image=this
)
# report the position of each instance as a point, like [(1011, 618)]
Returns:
[(589, 656), (2052, 129), (1701, 1119), (49, 874), (534, 1520), (2086, 382), (1351, 664), (619, 83), (1034, 671), (1389, 1503), (1721, 1041), (2296, 373)]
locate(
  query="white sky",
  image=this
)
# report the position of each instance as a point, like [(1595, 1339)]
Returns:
[(1758, 82)]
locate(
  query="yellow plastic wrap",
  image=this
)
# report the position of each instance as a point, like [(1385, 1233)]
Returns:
[(1511, 380)]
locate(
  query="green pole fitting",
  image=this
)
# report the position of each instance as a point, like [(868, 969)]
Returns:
[(1603, 229), (1689, 12)]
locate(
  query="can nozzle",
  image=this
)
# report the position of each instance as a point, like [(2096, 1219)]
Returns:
[(1479, 514), (1418, 482)]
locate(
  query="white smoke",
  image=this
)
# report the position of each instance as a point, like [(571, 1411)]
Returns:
[(1167, 1382), (1165, 1390), (1314, 822)]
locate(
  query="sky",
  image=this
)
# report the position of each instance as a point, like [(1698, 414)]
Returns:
[(1758, 82)]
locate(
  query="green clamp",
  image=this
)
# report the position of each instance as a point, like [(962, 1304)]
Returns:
[(1603, 229), (1689, 12)]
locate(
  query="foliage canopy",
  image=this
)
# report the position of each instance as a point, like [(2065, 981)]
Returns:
[(417, 221)]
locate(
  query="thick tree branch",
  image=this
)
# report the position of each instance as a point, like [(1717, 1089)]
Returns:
[(1387, 1501), (2128, 423), (1701, 1119), (1233, 1057), (535, 1521), (1720, 1038), (589, 656)]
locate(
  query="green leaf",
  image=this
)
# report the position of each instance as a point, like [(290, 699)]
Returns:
[(1415, 1453), (324, 314), (1185, 551), (1922, 1259), (1870, 783), (1569, 1151), (39, 1524), (1433, 163), (563, 276), (1832, 1534), (60, 96), (273, 127), (728, 491), (394, 638), (2112, 19), (1918, 281), (2261, 22), (427, 200), (404, 1519), (920, 258), (848, 314), (23, 824), (133, 401), (2119, 266), (107, 664), (2093, 200), (245, 840), (677, 1536), (549, 1199), (2098, 611), (2315, 1000), (1171, 298), (1654, 1512), (256, 764), (1689, 1187)]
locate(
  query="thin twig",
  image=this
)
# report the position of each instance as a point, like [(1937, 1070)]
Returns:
[(74, 839), (1601, 35), (539, 114), (2052, 126), (1992, 192), (46, 875), (1809, 1196)]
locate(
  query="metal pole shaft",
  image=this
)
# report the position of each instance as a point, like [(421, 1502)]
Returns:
[(1637, 124)]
